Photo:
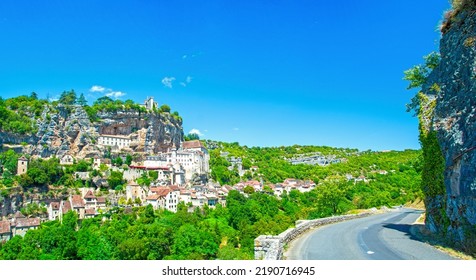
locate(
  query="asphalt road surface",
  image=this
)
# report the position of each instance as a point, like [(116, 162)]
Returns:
[(377, 237)]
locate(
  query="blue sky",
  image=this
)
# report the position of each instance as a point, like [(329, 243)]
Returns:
[(261, 73)]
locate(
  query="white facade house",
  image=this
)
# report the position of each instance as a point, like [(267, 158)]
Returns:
[(164, 198), (150, 104), (192, 156), (114, 141), (67, 160), (155, 161)]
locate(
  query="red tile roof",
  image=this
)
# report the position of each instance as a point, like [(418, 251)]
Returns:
[(27, 222), (90, 211), (18, 214), (55, 205), (89, 194), (101, 199), (5, 227), (152, 197), (77, 201), (161, 191), (192, 144)]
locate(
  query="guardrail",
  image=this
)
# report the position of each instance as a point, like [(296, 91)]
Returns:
[(270, 247)]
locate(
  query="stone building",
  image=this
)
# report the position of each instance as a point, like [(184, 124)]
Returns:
[(5, 231), (22, 167), (115, 141)]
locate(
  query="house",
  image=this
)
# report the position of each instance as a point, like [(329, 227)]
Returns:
[(90, 200), (84, 176), (279, 189), (67, 160), (5, 231), (96, 162), (212, 200), (157, 201), (90, 213), (22, 166), (78, 205), (185, 196), (65, 206), (101, 202), (253, 183), (170, 195), (22, 225), (53, 210), (133, 191), (306, 186), (199, 200), (115, 141), (290, 182), (150, 104)]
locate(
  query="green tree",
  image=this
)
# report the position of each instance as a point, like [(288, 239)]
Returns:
[(68, 97), (165, 108), (128, 159), (82, 100), (417, 76), (248, 190), (191, 136), (115, 179)]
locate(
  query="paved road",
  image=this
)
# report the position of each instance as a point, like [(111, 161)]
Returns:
[(378, 237)]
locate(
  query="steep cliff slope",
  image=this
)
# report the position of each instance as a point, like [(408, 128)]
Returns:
[(69, 130), (449, 116)]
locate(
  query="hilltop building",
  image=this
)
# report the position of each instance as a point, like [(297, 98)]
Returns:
[(150, 104)]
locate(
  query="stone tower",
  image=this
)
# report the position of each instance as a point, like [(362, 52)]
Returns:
[(22, 166)]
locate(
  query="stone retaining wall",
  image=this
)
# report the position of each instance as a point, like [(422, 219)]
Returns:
[(269, 247)]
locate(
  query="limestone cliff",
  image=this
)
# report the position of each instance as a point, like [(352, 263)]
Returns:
[(68, 130), (452, 84)]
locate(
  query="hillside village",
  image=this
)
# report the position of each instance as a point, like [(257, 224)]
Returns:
[(164, 180), (77, 168)]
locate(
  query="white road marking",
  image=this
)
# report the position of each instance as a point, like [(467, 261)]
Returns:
[(370, 252)]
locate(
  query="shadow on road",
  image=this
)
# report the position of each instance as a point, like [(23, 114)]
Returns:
[(409, 230)]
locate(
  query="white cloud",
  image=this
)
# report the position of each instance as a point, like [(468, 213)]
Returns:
[(167, 81), (236, 129), (97, 88), (106, 91), (187, 81), (195, 131), (115, 94)]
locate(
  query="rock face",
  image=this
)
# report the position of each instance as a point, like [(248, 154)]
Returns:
[(68, 130), (454, 120)]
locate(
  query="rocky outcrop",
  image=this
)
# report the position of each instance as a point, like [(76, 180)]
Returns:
[(68, 130), (453, 84), (151, 132)]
